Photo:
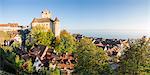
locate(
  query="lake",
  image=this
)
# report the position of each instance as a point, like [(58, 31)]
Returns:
[(118, 34)]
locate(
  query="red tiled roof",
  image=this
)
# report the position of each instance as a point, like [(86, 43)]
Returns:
[(99, 45), (56, 19), (9, 25)]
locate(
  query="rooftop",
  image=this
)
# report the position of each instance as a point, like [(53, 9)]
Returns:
[(9, 25), (41, 20)]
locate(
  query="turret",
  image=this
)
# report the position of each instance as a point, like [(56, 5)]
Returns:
[(46, 14), (56, 27)]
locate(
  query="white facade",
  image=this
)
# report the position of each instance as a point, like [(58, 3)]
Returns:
[(9, 27)]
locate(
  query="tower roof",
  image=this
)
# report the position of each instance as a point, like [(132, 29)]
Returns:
[(56, 19)]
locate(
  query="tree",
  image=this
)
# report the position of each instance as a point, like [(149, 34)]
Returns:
[(18, 61), (9, 53), (5, 36), (66, 42), (56, 71), (41, 36), (6, 62), (136, 60), (29, 66), (91, 59), (16, 44), (7, 48)]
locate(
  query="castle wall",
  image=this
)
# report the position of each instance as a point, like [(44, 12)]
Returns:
[(45, 24)]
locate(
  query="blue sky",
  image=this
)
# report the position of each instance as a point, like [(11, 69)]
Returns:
[(81, 14)]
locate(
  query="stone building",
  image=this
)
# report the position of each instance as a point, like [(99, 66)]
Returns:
[(47, 22)]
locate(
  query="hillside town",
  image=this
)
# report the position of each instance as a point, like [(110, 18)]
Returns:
[(34, 57)]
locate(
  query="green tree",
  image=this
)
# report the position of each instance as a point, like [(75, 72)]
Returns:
[(66, 42), (136, 60), (9, 54), (16, 44), (18, 61), (55, 72), (42, 36), (91, 59), (29, 43), (7, 61), (4, 36), (7, 48), (30, 66)]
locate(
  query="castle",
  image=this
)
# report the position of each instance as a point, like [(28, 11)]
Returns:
[(47, 22)]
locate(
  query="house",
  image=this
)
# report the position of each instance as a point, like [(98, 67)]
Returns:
[(37, 64), (78, 37), (43, 56), (10, 27)]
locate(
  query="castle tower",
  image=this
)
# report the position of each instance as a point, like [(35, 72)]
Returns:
[(56, 27), (46, 14)]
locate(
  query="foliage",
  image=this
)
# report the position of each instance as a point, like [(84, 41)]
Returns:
[(7, 48), (29, 42), (2, 53), (91, 59), (16, 44), (5, 73), (4, 36), (136, 60), (40, 36), (55, 72), (66, 42), (18, 61), (10, 56), (29, 67), (7, 61), (9, 53)]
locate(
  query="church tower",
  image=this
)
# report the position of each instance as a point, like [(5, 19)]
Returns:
[(46, 14)]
